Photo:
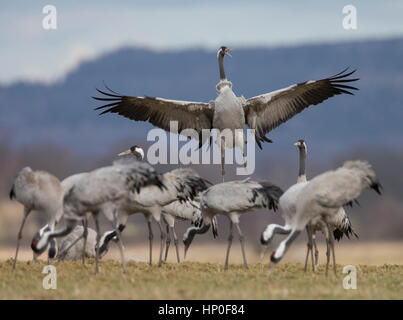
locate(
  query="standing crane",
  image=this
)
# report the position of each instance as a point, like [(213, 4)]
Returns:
[(232, 199), (340, 223), (128, 186), (323, 197), (39, 191)]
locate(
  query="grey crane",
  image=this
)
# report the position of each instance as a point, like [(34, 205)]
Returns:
[(323, 197), (66, 252), (233, 199), (228, 113), (66, 185), (180, 210), (340, 223), (152, 204), (104, 190), (181, 184), (69, 183), (117, 191), (39, 191)]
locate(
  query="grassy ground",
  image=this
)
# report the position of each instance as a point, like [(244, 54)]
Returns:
[(195, 280), (379, 275)]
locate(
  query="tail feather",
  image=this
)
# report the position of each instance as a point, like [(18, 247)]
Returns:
[(189, 184), (12, 193), (270, 195), (346, 229)]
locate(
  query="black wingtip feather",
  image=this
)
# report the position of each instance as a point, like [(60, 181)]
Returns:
[(118, 94), (12, 193), (258, 143), (108, 94), (337, 234), (377, 187)]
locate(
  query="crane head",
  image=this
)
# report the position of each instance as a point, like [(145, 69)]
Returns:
[(224, 51), (300, 144), (136, 150)]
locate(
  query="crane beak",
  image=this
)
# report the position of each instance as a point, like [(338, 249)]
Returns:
[(263, 250), (124, 153), (296, 144), (227, 52)]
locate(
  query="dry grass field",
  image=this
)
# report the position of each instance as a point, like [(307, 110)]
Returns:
[(195, 280), (379, 276), (379, 270)]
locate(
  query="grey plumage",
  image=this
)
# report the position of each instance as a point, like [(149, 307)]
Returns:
[(126, 187), (37, 191), (233, 199), (324, 196), (262, 113), (105, 190), (181, 184), (339, 222), (184, 211), (180, 210), (75, 252), (266, 112)]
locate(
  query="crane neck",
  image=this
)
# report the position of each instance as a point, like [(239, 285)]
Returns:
[(221, 67), (302, 165)]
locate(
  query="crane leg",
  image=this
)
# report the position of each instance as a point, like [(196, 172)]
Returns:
[(97, 245), (229, 245), (327, 253), (161, 243), (242, 241), (332, 248), (150, 238), (119, 236), (312, 260), (85, 235), (309, 248), (176, 244), (245, 163), (26, 213), (316, 249), (222, 158), (168, 243)]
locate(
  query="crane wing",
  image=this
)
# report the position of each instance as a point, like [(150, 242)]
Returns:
[(159, 112), (267, 111)]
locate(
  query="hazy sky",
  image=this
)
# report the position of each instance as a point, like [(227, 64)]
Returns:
[(86, 29)]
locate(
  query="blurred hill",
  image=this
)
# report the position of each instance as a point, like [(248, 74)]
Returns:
[(62, 113), (54, 127)]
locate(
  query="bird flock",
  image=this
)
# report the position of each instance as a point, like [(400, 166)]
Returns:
[(130, 185)]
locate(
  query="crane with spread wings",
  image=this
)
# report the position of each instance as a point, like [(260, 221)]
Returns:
[(262, 113)]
